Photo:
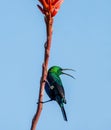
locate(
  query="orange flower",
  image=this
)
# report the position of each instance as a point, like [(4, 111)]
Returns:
[(50, 6)]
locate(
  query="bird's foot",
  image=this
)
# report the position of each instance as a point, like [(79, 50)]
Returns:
[(44, 101)]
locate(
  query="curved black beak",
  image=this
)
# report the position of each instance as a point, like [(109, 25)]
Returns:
[(68, 74)]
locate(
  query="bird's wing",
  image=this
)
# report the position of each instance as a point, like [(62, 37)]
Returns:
[(57, 83)]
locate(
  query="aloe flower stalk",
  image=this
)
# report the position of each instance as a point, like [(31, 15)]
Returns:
[(49, 8)]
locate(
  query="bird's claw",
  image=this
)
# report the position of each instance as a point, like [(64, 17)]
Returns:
[(45, 45), (39, 102)]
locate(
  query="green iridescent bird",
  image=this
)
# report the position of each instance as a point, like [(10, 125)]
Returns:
[(54, 87)]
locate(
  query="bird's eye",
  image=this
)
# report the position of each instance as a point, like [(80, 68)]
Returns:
[(60, 69)]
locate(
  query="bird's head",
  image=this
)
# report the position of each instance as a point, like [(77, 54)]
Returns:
[(58, 71)]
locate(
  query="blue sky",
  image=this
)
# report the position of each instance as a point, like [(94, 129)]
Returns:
[(81, 40)]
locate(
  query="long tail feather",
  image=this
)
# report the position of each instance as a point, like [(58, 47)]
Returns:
[(60, 102), (64, 113)]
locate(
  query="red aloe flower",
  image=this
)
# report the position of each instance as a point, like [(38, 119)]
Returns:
[(50, 6)]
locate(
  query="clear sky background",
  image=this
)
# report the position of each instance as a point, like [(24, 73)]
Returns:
[(81, 41)]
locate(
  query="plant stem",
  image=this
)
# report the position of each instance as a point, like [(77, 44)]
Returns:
[(49, 25)]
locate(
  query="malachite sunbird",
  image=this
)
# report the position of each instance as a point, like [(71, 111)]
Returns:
[(54, 87)]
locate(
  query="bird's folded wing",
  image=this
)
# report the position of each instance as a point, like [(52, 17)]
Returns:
[(56, 82)]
